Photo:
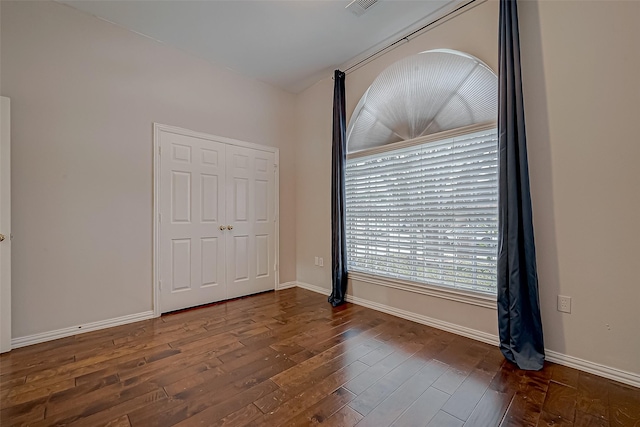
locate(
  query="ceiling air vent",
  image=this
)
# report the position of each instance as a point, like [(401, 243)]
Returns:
[(358, 7)]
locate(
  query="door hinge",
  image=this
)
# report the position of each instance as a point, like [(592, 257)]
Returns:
[(160, 284), (159, 217), (159, 150), (275, 267)]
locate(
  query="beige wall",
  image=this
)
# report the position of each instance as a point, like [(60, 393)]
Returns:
[(581, 64), (84, 95)]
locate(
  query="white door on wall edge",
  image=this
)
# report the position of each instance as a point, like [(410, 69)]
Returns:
[(216, 224), (5, 225)]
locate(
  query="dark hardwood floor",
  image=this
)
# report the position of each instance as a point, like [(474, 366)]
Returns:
[(288, 358)]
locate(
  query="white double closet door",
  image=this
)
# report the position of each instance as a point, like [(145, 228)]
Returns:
[(216, 229)]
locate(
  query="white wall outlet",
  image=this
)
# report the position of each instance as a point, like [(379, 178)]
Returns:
[(317, 261), (564, 304), (321, 262)]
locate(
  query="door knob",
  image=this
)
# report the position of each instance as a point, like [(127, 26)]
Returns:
[(1, 237), (230, 227), (222, 227)]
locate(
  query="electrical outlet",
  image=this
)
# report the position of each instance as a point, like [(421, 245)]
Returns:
[(321, 262), (317, 261), (564, 304)]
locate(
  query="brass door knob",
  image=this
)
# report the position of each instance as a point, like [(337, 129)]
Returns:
[(222, 227), (230, 227), (1, 237)]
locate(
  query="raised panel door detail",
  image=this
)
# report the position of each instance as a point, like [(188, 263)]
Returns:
[(181, 264), (261, 165), (261, 196), (209, 157), (209, 197), (241, 161), (262, 255), (209, 261), (241, 257), (180, 196), (241, 193), (181, 153)]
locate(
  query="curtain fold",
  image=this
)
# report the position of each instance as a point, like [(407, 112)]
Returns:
[(338, 211), (519, 323)]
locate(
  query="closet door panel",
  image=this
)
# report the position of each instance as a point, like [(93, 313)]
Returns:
[(192, 207), (251, 214)]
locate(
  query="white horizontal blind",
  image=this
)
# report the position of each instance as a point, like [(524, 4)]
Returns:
[(427, 213)]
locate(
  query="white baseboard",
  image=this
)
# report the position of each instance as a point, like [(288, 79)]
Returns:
[(286, 285), (615, 374), (429, 321), (314, 288), (74, 330), (414, 317)]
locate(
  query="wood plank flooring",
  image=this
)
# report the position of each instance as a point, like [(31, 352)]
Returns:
[(288, 358)]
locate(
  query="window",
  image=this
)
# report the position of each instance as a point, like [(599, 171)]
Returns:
[(426, 212), (421, 174)]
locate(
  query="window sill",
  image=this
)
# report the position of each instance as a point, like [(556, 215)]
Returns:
[(466, 297)]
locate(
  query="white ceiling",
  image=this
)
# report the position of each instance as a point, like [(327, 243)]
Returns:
[(290, 44)]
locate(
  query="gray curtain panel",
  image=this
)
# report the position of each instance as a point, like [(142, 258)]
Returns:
[(338, 210), (519, 322)]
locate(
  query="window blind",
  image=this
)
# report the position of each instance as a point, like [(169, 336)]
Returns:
[(426, 213)]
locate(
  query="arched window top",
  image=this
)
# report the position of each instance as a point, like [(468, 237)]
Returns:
[(427, 93)]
